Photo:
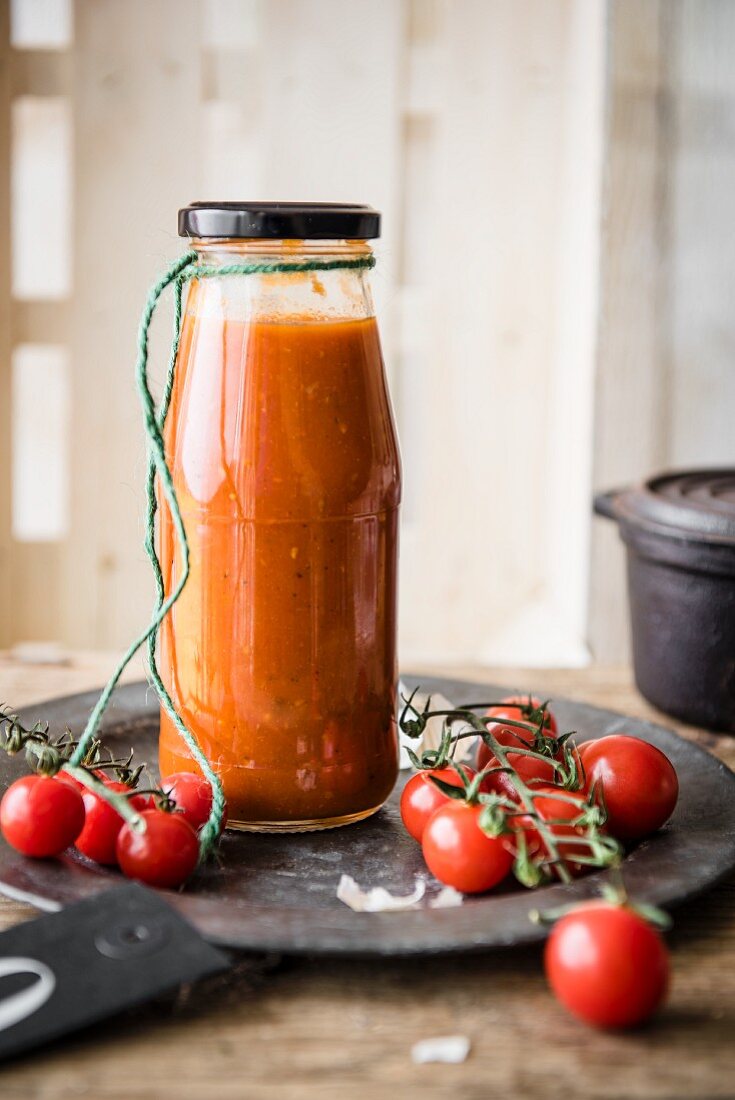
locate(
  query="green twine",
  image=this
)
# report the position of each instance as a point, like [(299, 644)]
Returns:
[(180, 272)]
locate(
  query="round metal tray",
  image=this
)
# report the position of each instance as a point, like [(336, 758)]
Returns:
[(278, 892)]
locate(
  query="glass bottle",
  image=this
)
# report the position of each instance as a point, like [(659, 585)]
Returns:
[(280, 654)]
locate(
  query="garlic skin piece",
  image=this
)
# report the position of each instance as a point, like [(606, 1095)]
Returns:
[(447, 898), (377, 899), (450, 1049), (464, 751)]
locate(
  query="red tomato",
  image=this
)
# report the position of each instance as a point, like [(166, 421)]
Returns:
[(65, 777), (556, 814), (607, 965), (638, 781), (193, 797), (420, 798), (102, 824), (522, 708), (460, 854), (81, 787), (529, 769), (164, 855), (40, 816)]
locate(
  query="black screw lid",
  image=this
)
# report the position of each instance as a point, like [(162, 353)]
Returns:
[(316, 221)]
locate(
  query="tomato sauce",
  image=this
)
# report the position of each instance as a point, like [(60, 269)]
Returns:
[(280, 653)]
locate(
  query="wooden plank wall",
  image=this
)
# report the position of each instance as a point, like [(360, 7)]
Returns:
[(630, 436), (701, 308), (501, 395), (665, 386), (137, 136), (478, 128), (31, 573), (6, 545), (476, 131)]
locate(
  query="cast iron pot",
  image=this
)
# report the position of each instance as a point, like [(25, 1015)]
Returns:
[(679, 529)]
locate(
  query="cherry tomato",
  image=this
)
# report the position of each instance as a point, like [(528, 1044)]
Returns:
[(164, 855), (65, 777), (40, 816), (460, 854), (557, 814), (639, 783), (193, 797), (420, 798), (607, 965), (530, 770), (523, 708), (102, 824)]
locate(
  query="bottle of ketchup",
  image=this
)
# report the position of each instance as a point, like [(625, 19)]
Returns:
[(280, 654)]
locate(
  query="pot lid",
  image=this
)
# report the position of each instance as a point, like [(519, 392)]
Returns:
[(688, 504)]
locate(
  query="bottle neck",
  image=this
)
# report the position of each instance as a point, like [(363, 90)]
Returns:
[(325, 292), (236, 250)]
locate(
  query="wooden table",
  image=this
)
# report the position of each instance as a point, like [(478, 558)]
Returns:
[(321, 1028)]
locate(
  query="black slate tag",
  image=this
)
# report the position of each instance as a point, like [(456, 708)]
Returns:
[(97, 957)]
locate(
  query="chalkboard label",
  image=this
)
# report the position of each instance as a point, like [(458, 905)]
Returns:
[(97, 957)]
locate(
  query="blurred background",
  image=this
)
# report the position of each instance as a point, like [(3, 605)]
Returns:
[(555, 284)]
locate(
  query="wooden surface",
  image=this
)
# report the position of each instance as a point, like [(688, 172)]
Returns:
[(287, 1028)]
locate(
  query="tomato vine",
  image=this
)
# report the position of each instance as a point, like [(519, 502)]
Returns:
[(499, 811)]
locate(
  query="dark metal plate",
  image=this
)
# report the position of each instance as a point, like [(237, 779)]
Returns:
[(278, 893)]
